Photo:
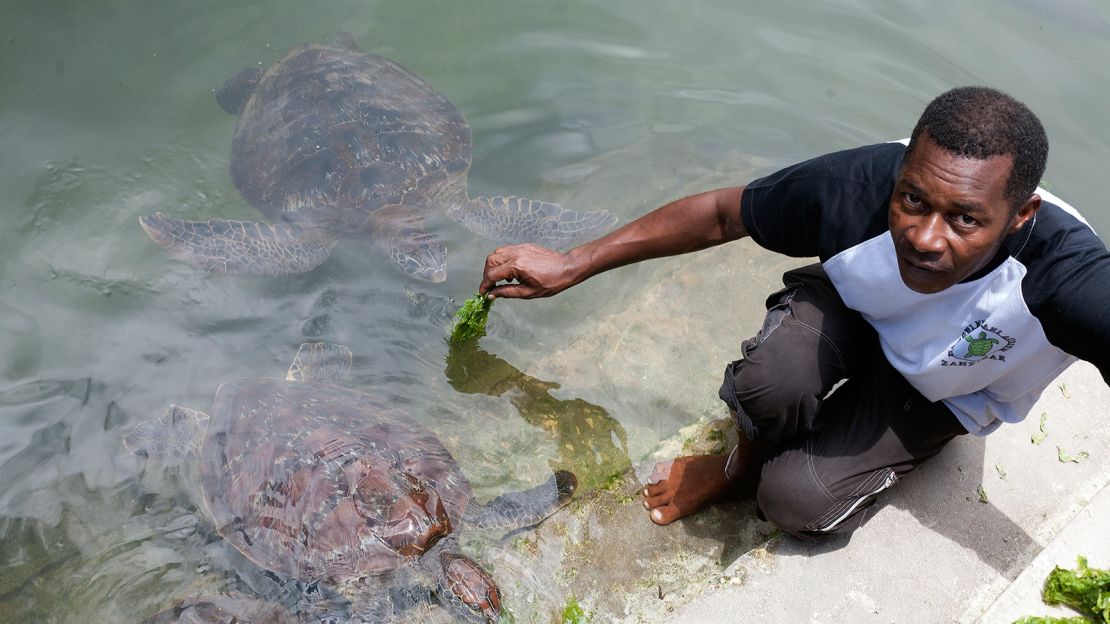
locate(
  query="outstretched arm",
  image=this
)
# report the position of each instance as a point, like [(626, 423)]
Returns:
[(688, 224)]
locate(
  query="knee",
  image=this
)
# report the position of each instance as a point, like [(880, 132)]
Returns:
[(787, 499), (769, 387), (791, 497), (778, 401)]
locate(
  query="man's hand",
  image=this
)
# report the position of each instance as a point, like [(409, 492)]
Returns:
[(539, 272), (689, 224)]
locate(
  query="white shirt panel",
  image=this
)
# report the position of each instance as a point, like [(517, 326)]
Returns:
[(974, 345)]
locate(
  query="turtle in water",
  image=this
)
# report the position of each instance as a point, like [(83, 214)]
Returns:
[(324, 484), (333, 142)]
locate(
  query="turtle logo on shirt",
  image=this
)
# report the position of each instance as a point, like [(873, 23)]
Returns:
[(980, 346), (978, 341)]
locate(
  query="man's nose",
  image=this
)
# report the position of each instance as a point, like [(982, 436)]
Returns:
[(927, 236)]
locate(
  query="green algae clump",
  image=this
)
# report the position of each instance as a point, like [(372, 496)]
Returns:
[(573, 613), (1087, 590), (470, 319)]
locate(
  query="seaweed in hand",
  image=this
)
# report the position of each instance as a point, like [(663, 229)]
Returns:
[(470, 319)]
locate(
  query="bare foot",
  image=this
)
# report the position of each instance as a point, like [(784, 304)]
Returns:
[(685, 485)]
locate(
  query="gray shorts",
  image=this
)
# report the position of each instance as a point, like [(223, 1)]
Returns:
[(825, 454)]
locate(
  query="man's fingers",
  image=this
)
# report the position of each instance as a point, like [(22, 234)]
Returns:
[(497, 257), (501, 250), (486, 285), (499, 273), (510, 291), (496, 270), (515, 263), (502, 255)]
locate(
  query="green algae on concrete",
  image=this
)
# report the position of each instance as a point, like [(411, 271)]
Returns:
[(1086, 590), (1075, 459), (573, 613), (623, 486), (1039, 437)]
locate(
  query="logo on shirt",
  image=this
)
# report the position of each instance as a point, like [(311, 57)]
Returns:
[(979, 341)]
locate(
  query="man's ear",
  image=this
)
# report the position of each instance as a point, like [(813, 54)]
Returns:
[(1025, 213)]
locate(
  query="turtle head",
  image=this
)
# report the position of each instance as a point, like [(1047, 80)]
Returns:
[(421, 256), (232, 97), (467, 583)]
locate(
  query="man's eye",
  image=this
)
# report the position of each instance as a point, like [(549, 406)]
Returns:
[(966, 220), (911, 199)]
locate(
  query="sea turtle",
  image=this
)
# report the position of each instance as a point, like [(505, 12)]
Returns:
[(333, 142), (324, 484)]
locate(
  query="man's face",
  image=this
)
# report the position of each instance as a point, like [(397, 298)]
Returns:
[(949, 215)]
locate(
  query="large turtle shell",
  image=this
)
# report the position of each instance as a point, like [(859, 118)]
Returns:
[(331, 133), (316, 481)]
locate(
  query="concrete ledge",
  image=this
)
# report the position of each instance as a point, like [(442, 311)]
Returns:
[(935, 551), (1087, 534)]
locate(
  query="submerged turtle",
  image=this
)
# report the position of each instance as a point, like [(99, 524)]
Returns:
[(321, 483), (334, 143)]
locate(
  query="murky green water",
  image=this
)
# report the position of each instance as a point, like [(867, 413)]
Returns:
[(107, 114)]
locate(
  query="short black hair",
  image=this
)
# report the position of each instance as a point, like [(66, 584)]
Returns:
[(980, 122)]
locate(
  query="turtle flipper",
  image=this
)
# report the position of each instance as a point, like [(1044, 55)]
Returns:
[(465, 587), (241, 247), (176, 434), (519, 220), (233, 95), (514, 510), (322, 362)]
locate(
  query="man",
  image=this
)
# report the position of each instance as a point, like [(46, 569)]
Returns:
[(949, 295)]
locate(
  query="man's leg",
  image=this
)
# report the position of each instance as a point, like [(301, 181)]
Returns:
[(874, 429), (809, 341)]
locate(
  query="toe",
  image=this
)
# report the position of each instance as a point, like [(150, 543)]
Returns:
[(664, 515), (655, 489), (651, 502)]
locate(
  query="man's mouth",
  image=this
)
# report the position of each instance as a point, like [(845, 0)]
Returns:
[(928, 267), (926, 274)]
